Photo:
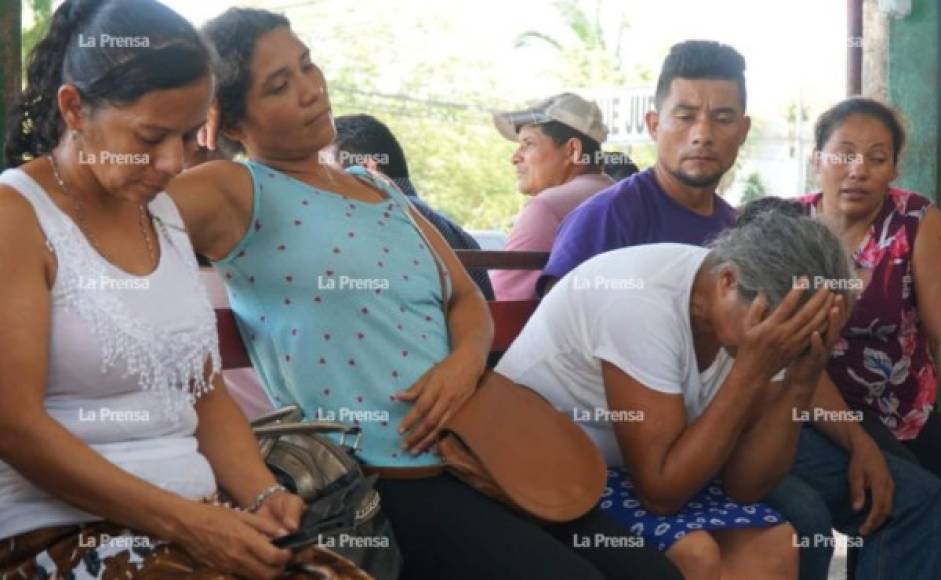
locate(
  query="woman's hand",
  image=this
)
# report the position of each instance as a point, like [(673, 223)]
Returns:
[(437, 395), (209, 132), (231, 541), (804, 371), (773, 343), (283, 509), (868, 471)]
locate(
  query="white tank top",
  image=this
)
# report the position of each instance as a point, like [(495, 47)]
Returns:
[(125, 364)]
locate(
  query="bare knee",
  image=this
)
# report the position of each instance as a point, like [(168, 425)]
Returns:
[(759, 553), (697, 556), (780, 546)]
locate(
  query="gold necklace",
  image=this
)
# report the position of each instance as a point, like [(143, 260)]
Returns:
[(83, 225)]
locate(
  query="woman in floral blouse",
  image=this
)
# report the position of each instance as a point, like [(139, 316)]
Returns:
[(884, 365)]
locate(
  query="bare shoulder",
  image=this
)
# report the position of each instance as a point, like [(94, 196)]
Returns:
[(18, 220), (932, 221), (215, 201), (928, 234), (215, 181), (22, 241), (211, 191)]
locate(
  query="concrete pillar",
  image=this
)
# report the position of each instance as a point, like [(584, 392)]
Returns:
[(875, 51), (913, 87)]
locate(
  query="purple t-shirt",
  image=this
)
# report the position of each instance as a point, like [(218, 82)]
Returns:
[(631, 212)]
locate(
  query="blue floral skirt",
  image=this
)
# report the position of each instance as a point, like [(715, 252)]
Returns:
[(710, 509)]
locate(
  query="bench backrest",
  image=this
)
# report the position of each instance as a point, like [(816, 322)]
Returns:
[(509, 317)]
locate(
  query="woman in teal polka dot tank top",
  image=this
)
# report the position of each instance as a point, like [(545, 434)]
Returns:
[(339, 302)]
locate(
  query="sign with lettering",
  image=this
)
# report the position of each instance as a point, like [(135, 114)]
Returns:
[(623, 110)]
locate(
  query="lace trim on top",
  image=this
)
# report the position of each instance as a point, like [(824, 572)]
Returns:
[(161, 359)]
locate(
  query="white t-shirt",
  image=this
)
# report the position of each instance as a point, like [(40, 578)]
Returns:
[(629, 307)]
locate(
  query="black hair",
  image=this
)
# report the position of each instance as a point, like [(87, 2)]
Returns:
[(234, 34), (831, 119), (560, 133), (618, 165), (701, 59), (751, 210), (367, 135), (113, 52)]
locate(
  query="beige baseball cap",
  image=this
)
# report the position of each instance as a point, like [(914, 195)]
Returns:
[(567, 108)]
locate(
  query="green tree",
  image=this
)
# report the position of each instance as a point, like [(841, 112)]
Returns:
[(754, 188), (458, 162), (589, 58), (438, 102), (41, 11), (793, 123)]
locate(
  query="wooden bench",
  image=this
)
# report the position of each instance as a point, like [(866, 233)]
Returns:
[(509, 317)]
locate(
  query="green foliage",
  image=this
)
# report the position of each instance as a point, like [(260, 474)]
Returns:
[(466, 172), (588, 59), (42, 14), (755, 134), (458, 162), (754, 188), (644, 155)]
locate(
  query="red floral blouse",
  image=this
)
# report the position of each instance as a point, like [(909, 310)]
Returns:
[(883, 361)]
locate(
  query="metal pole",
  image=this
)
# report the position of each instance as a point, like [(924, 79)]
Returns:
[(799, 132), (854, 47)]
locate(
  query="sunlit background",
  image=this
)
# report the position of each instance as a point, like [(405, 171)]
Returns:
[(434, 70)]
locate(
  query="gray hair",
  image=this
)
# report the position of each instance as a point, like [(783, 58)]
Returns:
[(774, 250)]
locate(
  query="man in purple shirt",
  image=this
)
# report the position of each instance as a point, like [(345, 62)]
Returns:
[(698, 126), (631, 212)]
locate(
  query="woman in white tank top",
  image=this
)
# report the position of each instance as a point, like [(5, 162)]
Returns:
[(113, 416)]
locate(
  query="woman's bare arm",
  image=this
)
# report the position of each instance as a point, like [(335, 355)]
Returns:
[(215, 201), (927, 275), (669, 460), (443, 389), (227, 441), (469, 324)]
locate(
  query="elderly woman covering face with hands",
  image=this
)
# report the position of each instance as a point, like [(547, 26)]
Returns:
[(686, 366)]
